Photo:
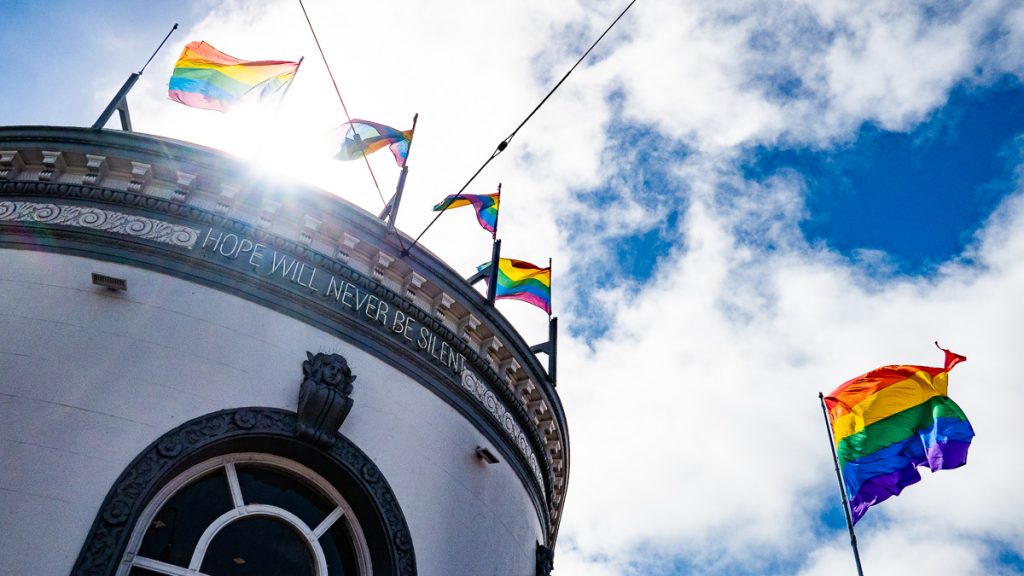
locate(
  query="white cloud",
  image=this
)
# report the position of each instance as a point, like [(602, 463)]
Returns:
[(704, 425)]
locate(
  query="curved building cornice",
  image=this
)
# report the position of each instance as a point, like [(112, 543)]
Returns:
[(202, 215)]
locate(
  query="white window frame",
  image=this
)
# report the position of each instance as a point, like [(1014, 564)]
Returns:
[(342, 512)]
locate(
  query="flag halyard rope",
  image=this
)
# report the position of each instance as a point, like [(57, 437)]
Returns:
[(342, 100), (508, 139)]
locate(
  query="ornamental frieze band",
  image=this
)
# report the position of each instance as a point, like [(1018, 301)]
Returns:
[(97, 219)]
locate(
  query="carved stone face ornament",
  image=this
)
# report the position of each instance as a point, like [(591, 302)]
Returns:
[(324, 400)]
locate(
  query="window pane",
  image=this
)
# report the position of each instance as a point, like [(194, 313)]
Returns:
[(175, 531), (269, 486), (258, 546), (339, 550)]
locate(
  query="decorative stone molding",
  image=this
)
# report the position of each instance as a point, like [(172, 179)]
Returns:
[(260, 429), (490, 348), (226, 199), (97, 167), (508, 369), (467, 326), (184, 186), (96, 219), (11, 164), (413, 282), (53, 166), (309, 227), (441, 305), (384, 260), (141, 175), (324, 398), (492, 345), (538, 408), (347, 247), (525, 390), (267, 213), (557, 463)]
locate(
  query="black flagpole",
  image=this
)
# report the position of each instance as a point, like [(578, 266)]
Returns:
[(842, 485), (549, 289), (492, 283), (120, 102), (551, 346), (390, 212), (553, 354), (497, 214)]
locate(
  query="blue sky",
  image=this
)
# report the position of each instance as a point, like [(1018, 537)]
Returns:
[(917, 195), (75, 46), (745, 206)]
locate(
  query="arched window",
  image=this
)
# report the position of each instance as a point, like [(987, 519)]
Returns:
[(249, 514), (237, 492)]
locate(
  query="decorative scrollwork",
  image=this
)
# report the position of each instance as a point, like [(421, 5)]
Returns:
[(97, 219), (488, 400)]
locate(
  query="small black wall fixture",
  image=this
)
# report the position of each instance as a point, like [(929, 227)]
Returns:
[(486, 455), (109, 282)]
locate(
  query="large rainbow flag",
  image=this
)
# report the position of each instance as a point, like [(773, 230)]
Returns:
[(364, 137), (891, 420), (205, 77), (520, 280), (486, 206)]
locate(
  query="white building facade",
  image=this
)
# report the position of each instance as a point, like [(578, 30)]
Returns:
[(202, 373)]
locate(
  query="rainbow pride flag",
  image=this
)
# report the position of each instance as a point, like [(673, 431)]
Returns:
[(365, 137), (486, 206), (520, 280), (205, 77), (891, 420)]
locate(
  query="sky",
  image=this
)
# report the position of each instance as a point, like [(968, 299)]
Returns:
[(746, 203)]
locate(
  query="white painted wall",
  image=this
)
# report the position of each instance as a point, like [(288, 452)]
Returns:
[(89, 378)]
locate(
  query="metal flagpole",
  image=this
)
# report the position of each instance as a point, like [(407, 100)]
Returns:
[(549, 289), (552, 330), (120, 102), (553, 354), (550, 348), (497, 213), (277, 107), (290, 82), (391, 208), (842, 485), (492, 283)]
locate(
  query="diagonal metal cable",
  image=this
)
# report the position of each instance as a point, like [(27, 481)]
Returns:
[(504, 143), (342, 100)]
